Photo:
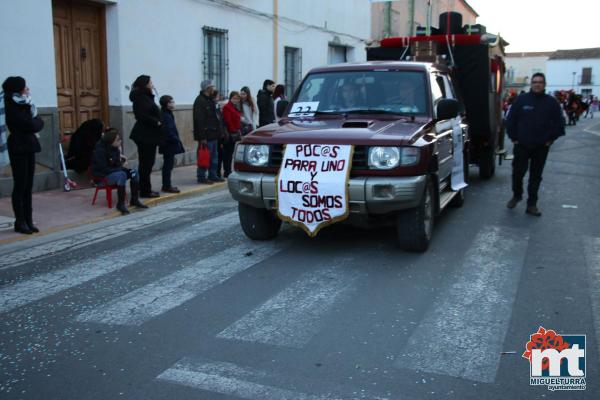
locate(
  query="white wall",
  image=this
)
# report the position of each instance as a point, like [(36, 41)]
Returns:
[(524, 67), (560, 75), (165, 40), (27, 47)]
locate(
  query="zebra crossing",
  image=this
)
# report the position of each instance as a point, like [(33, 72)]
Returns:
[(294, 315)]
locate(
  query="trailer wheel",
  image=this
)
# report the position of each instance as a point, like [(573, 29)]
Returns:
[(258, 223), (487, 164), (414, 227)]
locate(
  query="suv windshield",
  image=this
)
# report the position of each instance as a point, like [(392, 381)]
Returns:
[(377, 92)]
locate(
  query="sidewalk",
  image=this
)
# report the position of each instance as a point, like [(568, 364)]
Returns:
[(56, 210)]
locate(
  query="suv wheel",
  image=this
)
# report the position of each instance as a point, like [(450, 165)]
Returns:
[(258, 223), (415, 226)]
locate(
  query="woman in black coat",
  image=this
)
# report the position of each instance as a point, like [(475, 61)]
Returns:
[(24, 124), (147, 132), (172, 144), (82, 143)]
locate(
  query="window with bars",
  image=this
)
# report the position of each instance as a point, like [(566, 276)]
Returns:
[(293, 69), (216, 60)]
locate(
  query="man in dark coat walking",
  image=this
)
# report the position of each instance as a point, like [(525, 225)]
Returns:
[(266, 109), (534, 122), (207, 130)]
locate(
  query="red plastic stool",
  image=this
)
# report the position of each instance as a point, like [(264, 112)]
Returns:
[(102, 184)]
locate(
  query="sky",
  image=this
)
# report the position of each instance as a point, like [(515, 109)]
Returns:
[(541, 25)]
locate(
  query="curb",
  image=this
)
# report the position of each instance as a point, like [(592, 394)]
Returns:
[(148, 202)]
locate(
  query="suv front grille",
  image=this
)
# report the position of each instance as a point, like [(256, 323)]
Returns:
[(359, 160)]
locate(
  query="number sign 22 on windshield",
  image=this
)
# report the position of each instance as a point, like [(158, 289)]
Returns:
[(304, 109)]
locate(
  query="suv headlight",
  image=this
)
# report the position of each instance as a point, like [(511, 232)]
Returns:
[(390, 157), (384, 157), (256, 155)]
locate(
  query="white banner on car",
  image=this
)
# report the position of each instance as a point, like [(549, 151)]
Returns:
[(457, 180), (312, 185)]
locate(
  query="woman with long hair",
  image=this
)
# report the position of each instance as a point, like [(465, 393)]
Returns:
[(147, 132), (249, 111), (232, 118), (278, 95), (23, 123)]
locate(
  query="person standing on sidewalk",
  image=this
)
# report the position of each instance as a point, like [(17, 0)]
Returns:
[(266, 109), (172, 145), (207, 130), (249, 111), (535, 121), (232, 118), (24, 124), (107, 162), (146, 133)]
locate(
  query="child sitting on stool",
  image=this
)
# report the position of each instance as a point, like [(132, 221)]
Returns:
[(108, 163)]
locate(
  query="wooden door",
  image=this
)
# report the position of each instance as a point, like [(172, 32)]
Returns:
[(79, 45)]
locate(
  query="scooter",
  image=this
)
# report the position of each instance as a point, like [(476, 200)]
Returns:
[(68, 184)]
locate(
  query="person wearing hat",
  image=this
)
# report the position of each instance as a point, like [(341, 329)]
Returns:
[(23, 123), (147, 132), (207, 130)]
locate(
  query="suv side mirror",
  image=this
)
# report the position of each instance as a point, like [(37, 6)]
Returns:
[(447, 109), (281, 106)]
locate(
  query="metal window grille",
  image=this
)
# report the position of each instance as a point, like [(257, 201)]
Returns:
[(292, 69), (216, 58)]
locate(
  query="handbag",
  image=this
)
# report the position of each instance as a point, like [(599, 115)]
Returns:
[(234, 137), (203, 156)]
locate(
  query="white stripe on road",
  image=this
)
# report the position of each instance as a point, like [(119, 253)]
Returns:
[(159, 214), (149, 301), (51, 283), (76, 241), (592, 258), (294, 315), (462, 335), (232, 380)]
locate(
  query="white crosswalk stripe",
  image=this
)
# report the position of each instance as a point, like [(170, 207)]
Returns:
[(592, 258), (50, 283), (232, 380), (294, 315), (171, 291), (462, 334)]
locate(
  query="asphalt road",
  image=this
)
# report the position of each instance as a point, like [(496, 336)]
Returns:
[(175, 302)]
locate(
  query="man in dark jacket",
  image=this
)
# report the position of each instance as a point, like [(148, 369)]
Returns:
[(207, 130), (534, 122), (266, 109)]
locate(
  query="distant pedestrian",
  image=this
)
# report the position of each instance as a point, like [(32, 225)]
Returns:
[(266, 110), (109, 163), (23, 122), (232, 118), (146, 133), (172, 144), (535, 121), (249, 111), (594, 107), (278, 95), (207, 130)]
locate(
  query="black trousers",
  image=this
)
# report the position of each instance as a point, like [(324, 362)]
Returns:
[(23, 168), (227, 157), (534, 159), (167, 168), (146, 158)]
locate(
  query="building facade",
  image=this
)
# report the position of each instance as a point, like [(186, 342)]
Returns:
[(577, 70), (401, 17), (79, 57), (521, 66)]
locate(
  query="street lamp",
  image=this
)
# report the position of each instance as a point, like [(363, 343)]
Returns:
[(573, 84)]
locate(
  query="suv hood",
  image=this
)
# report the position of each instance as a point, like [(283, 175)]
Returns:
[(326, 130)]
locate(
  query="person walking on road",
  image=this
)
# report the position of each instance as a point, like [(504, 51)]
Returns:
[(172, 144), (535, 121), (24, 124), (147, 132), (207, 130), (266, 108), (232, 119), (109, 164)]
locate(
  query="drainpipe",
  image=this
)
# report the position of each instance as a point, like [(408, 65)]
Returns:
[(411, 16), (275, 39), (387, 19)]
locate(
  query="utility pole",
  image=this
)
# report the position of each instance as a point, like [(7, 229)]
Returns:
[(387, 19), (411, 16)]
